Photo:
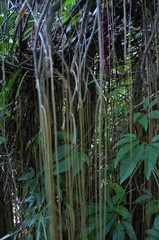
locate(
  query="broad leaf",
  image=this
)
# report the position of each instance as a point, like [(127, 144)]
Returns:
[(155, 139), (129, 230), (128, 165), (75, 160), (28, 175), (150, 159), (78, 162), (154, 102), (63, 166), (143, 120), (142, 199), (154, 233), (63, 151), (136, 116), (121, 210), (155, 145), (154, 114), (146, 103), (125, 140), (67, 137), (119, 233), (124, 150), (130, 136)]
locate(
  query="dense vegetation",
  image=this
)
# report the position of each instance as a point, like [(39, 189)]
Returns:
[(79, 119)]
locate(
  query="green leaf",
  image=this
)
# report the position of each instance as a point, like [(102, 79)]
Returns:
[(121, 210), (27, 175), (1, 140), (31, 198), (63, 151), (146, 103), (154, 102), (78, 162), (119, 233), (125, 140), (119, 193), (109, 223), (128, 166), (142, 199), (136, 116), (75, 160), (63, 166), (67, 137), (124, 150), (155, 139), (155, 145), (12, 80), (154, 114), (130, 136), (68, 2), (143, 120), (129, 230), (156, 222), (153, 233), (150, 159)]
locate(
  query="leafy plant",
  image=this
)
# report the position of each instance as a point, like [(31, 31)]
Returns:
[(132, 152), (146, 113), (68, 157), (153, 233), (115, 218)]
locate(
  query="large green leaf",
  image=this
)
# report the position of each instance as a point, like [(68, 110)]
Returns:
[(136, 116), (150, 158), (119, 193), (155, 139), (129, 230), (119, 233), (121, 210), (124, 150), (109, 223), (67, 137), (130, 136), (128, 165), (74, 161), (154, 102), (63, 151), (154, 114), (78, 162), (146, 103), (143, 120), (124, 140), (154, 233), (63, 165), (27, 176), (142, 199)]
